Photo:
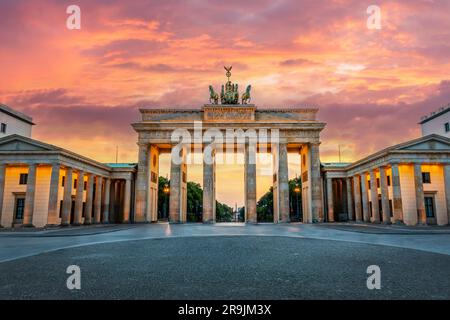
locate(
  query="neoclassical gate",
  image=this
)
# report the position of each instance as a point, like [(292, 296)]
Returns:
[(221, 127)]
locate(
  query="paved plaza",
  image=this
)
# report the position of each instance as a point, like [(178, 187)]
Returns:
[(226, 261)]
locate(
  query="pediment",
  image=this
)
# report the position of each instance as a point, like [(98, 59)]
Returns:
[(23, 144), (429, 144)]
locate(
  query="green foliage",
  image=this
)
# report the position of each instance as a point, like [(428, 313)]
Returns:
[(224, 213), (163, 199), (194, 202), (295, 200), (264, 207)]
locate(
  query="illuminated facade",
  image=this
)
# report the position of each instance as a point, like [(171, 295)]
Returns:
[(408, 183), (44, 185)]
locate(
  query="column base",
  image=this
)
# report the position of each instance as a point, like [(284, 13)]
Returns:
[(65, 225), (29, 226), (87, 223), (126, 222)]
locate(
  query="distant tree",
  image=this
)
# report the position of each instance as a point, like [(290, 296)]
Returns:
[(163, 199), (264, 207), (295, 200), (241, 214), (194, 202), (194, 208), (224, 213)]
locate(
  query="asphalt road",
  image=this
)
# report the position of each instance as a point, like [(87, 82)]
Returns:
[(228, 267)]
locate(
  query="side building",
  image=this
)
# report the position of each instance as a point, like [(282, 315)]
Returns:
[(437, 122), (43, 185), (14, 122), (407, 183)]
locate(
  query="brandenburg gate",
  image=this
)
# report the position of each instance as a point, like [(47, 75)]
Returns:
[(227, 122)]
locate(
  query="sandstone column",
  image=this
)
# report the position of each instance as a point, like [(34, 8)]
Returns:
[(365, 197), (142, 184), (330, 200), (316, 193), (98, 199), (397, 194), (351, 215), (152, 204), (2, 189), (357, 192), (420, 198), (29, 198), (374, 197), (384, 196), (106, 198), (209, 187), (67, 199), (178, 190), (250, 182), (127, 201), (78, 215), (89, 198), (53, 195), (447, 187), (281, 184)]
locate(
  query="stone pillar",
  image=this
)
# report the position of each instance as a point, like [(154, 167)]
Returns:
[(142, 184), (127, 201), (330, 200), (152, 204), (316, 194), (2, 189), (250, 182), (357, 193), (89, 199), (365, 197), (112, 201), (374, 197), (67, 199), (178, 189), (98, 199), (350, 212), (281, 184), (384, 196), (106, 198), (53, 213), (397, 194), (420, 198), (78, 216), (29, 198), (209, 186), (447, 188)]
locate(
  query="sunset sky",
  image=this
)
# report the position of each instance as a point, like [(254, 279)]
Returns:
[(84, 87)]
